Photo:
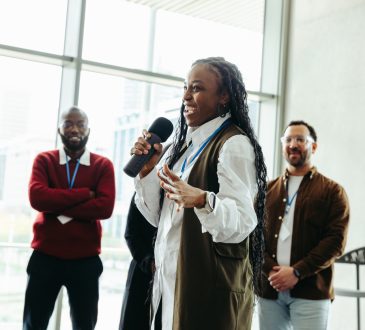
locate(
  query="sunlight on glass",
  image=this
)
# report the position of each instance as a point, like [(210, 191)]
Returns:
[(175, 43), (180, 40), (127, 28), (36, 24), (118, 110), (29, 95)]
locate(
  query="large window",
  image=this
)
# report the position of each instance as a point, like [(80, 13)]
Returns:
[(189, 38), (117, 32), (29, 96), (124, 63), (35, 24)]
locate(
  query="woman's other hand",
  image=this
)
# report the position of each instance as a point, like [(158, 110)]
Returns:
[(183, 194)]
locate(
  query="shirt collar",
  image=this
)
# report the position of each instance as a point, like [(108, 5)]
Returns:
[(84, 159), (310, 173), (199, 134)]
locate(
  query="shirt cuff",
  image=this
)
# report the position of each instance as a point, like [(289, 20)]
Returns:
[(64, 219), (205, 217)]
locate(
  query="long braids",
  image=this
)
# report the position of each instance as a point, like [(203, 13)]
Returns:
[(231, 81), (179, 139)]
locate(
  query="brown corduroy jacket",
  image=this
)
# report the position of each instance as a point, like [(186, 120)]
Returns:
[(213, 280), (321, 218)]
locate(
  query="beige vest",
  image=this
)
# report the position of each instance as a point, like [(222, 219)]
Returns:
[(214, 288)]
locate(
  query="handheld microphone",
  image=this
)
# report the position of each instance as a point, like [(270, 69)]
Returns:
[(160, 130)]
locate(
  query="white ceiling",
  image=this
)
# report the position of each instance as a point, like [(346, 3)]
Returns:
[(244, 14)]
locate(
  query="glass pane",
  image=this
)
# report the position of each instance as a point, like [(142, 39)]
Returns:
[(117, 32), (180, 40), (253, 113), (173, 45), (118, 110), (36, 24), (29, 94), (13, 281)]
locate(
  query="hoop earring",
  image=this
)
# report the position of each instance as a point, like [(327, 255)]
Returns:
[(222, 110)]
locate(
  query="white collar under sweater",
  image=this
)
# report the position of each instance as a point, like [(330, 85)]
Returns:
[(84, 160)]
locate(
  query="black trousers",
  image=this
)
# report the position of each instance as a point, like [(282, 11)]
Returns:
[(46, 276), (135, 312)]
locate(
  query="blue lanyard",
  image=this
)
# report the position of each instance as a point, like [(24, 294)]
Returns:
[(71, 182), (224, 124), (289, 201)]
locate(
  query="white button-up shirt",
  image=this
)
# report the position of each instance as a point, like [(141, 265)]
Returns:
[(283, 253), (231, 221)]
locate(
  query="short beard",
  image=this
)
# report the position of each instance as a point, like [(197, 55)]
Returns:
[(74, 147), (300, 162)]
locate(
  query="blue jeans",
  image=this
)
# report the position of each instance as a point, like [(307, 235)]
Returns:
[(286, 313)]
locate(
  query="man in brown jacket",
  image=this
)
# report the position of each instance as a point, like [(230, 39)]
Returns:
[(306, 227)]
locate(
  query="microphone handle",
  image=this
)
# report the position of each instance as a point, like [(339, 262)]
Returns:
[(136, 163)]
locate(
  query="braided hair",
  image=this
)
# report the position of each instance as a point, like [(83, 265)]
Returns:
[(230, 80)]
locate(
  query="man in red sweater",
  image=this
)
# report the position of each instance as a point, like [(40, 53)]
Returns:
[(73, 189)]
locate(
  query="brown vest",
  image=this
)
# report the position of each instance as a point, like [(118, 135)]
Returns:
[(213, 280)]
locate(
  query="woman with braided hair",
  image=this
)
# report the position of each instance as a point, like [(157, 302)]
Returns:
[(209, 244)]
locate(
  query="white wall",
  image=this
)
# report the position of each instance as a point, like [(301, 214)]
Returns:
[(326, 87)]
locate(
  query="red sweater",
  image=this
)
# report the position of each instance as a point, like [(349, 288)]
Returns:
[(49, 194)]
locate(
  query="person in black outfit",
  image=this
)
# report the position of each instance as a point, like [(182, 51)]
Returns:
[(139, 235)]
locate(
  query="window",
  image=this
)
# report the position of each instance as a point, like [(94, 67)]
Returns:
[(134, 60), (127, 29), (36, 24), (180, 40), (29, 95)]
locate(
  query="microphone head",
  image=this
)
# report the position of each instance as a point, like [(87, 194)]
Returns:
[(162, 127)]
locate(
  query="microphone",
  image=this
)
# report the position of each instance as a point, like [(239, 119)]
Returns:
[(160, 130)]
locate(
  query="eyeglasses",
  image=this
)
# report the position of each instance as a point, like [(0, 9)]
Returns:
[(298, 139)]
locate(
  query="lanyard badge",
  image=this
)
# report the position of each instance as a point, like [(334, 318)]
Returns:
[(69, 180), (185, 165)]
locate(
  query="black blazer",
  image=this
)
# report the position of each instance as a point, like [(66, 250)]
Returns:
[(139, 235)]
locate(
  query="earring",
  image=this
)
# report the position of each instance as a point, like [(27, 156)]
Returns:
[(222, 110)]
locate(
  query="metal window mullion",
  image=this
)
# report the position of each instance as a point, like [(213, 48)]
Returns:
[(71, 72), (273, 73), (150, 59), (70, 85), (34, 55)]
